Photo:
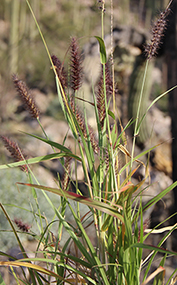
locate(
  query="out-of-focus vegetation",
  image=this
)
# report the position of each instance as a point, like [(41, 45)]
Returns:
[(21, 49)]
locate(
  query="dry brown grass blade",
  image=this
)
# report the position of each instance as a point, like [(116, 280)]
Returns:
[(162, 230), (153, 275), (126, 152)]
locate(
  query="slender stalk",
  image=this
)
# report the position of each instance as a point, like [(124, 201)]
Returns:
[(14, 274), (23, 19), (44, 132), (112, 58), (137, 127), (54, 70), (14, 36), (102, 19)]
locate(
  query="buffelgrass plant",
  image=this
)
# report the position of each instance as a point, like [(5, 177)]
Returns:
[(114, 203)]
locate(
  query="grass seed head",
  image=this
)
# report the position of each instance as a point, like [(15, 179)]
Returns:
[(67, 172), (22, 226), (15, 151), (26, 97), (151, 49), (81, 123), (76, 69), (60, 71), (100, 92)]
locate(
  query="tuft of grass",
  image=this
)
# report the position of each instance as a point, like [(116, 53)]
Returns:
[(113, 202)]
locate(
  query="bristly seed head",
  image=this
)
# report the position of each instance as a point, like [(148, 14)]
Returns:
[(26, 97), (67, 170), (151, 49), (76, 69), (60, 71), (100, 92), (23, 227), (101, 100), (15, 151), (81, 123)]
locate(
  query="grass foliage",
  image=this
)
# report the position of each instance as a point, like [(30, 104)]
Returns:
[(113, 207)]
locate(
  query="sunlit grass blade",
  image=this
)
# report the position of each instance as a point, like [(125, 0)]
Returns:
[(103, 207), (154, 248), (158, 197), (52, 143), (31, 266), (23, 262), (152, 103), (103, 57), (40, 159)]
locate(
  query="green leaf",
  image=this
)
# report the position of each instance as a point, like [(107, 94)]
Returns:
[(152, 103), (111, 114), (103, 57), (39, 159), (154, 248), (2, 281), (57, 145), (103, 207), (158, 197), (107, 223)]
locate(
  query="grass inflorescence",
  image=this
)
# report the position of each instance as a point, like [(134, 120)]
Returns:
[(158, 31), (26, 97)]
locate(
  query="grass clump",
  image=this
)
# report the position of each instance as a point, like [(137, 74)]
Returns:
[(113, 202)]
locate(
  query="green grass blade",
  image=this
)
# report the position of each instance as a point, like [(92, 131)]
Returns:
[(171, 278), (100, 271), (56, 145), (103, 207), (40, 159), (2, 281), (103, 57), (154, 248), (153, 102), (159, 196)]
